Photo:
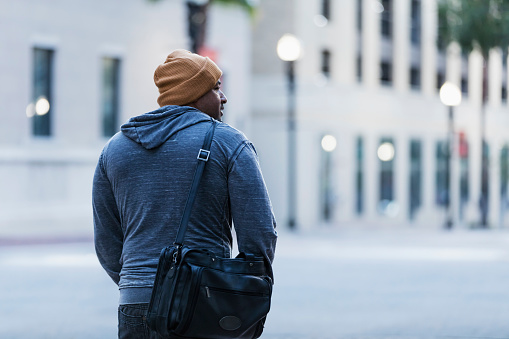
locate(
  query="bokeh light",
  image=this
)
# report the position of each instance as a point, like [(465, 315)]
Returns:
[(329, 143), (386, 151), (42, 106)]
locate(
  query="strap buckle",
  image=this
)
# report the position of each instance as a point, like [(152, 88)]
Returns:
[(203, 155)]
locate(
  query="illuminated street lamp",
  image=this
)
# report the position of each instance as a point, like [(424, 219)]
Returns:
[(450, 95), (289, 50), (329, 144)]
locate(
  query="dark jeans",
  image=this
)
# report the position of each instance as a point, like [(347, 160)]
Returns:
[(132, 322)]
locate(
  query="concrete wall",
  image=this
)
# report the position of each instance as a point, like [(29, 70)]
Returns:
[(347, 108)]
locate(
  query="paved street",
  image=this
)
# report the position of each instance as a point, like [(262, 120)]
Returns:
[(335, 283)]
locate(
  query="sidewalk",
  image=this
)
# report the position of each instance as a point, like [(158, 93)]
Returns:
[(406, 283), (400, 235), (396, 245), (379, 233), (330, 283), (45, 231)]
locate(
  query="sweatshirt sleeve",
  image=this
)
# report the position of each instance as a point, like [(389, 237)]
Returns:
[(108, 235), (251, 208)]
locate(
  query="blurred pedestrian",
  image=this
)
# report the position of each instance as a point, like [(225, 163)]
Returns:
[(143, 178)]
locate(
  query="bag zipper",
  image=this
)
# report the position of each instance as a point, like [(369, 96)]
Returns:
[(258, 294)]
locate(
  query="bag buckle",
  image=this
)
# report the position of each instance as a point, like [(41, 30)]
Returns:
[(203, 155), (176, 253)]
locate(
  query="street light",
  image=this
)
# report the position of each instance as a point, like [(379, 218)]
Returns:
[(289, 50), (450, 95), (329, 144)]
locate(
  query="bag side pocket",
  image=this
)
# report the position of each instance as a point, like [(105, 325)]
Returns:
[(188, 303), (157, 315), (230, 309)]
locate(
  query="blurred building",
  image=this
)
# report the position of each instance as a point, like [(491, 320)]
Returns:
[(71, 73), (369, 79)]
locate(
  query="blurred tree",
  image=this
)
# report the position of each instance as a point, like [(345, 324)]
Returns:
[(481, 25), (197, 12)]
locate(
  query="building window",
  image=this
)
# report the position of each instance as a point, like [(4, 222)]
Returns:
[(386, 73), (386, 43), (464, 85), (110, 95), (326, 63), (415, 38), (415, 33), (386, 18), (358, 66), (485, 178), (358, 61), (441, 69), (42, 91), (327, 194), (504, 77), (415, 78), (464, 173), (442, 20), (326, 9), (440, 80), (359, 176), (441, 175), (464, 74), (359, 15), (415, 185), (504, 179), (386, 154)]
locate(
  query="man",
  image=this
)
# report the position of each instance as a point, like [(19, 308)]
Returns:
[(143, 178)]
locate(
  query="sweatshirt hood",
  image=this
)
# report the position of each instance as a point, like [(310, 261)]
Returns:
[(153, 129)]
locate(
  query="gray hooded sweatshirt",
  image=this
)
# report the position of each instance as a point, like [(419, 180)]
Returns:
[(141, 184)]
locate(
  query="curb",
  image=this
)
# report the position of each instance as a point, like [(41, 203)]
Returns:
[(51, 240)]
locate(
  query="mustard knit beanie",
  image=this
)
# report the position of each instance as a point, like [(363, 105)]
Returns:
[(185, 77)]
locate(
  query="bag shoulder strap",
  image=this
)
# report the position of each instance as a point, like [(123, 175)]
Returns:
[(203, 157)]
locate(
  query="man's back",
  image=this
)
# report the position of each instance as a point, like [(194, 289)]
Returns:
[(144, 175), (143, 178)]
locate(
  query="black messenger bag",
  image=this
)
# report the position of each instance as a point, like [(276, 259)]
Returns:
[(199, 295)]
